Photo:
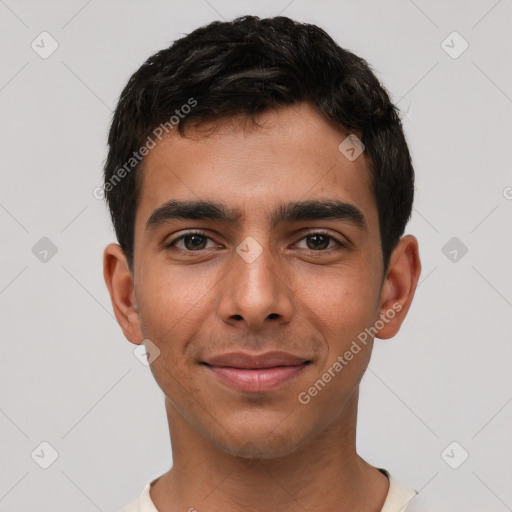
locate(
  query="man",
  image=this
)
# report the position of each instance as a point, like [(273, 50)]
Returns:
[(259, 183)]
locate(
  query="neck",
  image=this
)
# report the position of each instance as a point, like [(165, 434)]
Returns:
[(324, 474)]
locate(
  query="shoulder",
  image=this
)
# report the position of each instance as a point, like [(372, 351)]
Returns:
[(405, 499), (132, 507), (400, 498), (143, 503)]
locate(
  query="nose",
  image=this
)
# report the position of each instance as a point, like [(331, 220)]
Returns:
[(255, 294)]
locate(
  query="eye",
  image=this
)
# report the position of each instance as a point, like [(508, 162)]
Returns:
[(320, 241), (192, 241), (195, 241)]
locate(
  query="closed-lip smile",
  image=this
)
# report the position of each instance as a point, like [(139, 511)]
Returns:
[(256, 372)]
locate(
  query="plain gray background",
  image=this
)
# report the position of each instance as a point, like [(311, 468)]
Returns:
[(67, 375)]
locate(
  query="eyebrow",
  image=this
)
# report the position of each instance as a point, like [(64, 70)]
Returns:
[(286, 212)]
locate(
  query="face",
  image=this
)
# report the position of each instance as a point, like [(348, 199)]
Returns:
[(255, 291)]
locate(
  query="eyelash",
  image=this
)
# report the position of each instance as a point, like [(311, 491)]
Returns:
[(171, 245)]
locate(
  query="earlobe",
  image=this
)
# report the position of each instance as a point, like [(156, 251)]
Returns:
[(119, 281), (399, 286)]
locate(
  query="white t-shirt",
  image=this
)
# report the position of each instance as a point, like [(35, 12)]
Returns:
[(397, 500)]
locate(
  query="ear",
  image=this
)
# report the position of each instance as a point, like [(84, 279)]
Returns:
[(118, 279), (399, 286)]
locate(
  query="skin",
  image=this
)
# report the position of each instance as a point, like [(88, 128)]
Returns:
[(264, 451)]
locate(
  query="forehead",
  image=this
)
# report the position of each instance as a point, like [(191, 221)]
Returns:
[(291, 154)]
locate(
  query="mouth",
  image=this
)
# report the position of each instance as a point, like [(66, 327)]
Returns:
[(256, 373)]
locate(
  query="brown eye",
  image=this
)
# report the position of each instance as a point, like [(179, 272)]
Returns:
[(191, 242), (318, 241), (194, 242)]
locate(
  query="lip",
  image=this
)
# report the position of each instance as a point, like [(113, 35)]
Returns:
[(256, 373), (255, 361)]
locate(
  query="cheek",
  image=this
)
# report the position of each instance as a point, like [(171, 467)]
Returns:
[(344, 307), (170, 301), (343, 302), (171, 308)]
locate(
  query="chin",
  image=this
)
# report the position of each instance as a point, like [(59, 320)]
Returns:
[(256, 450), (260, 443)]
